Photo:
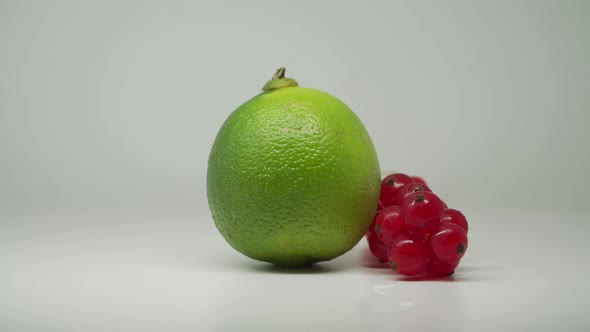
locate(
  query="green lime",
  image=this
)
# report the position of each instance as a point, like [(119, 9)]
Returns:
[(293, 177)]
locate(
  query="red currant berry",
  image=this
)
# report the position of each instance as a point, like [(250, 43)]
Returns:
[(439, 269), (377, 248), (408, 254), (410, 188), (390, 186), (388, 224), (448, 243), (422, 212), (418, 180), (371, 228), (455, 217)]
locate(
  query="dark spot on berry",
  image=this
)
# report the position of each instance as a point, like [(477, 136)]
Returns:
[(451, 273), (393, 266), (460, 249), (381, 261), (390, 182), (417, 188), (377, 229), (419, 198)]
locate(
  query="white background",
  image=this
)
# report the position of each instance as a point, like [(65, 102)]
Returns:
[(108, 111), (116, 104)]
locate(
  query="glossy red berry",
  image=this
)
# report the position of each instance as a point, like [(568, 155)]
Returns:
[(408, 254), (418, 179), (409, 189), (388, 224), (437, 268), (390, 186), (455, 217), (371, 228), (448, 243), (377, 248), (422, 212)]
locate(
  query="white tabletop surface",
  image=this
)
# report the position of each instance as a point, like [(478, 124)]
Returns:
[(172, 271)]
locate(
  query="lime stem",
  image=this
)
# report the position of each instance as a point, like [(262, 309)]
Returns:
[(279, 81), (280, 73)]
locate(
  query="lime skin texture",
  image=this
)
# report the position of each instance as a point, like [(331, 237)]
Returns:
[(293, 177)]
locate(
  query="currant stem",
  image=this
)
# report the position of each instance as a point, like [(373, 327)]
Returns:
[(417, 188), (419, 198), (460, 249)]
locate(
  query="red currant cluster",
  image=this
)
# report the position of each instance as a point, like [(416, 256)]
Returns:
[(414, 230)]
